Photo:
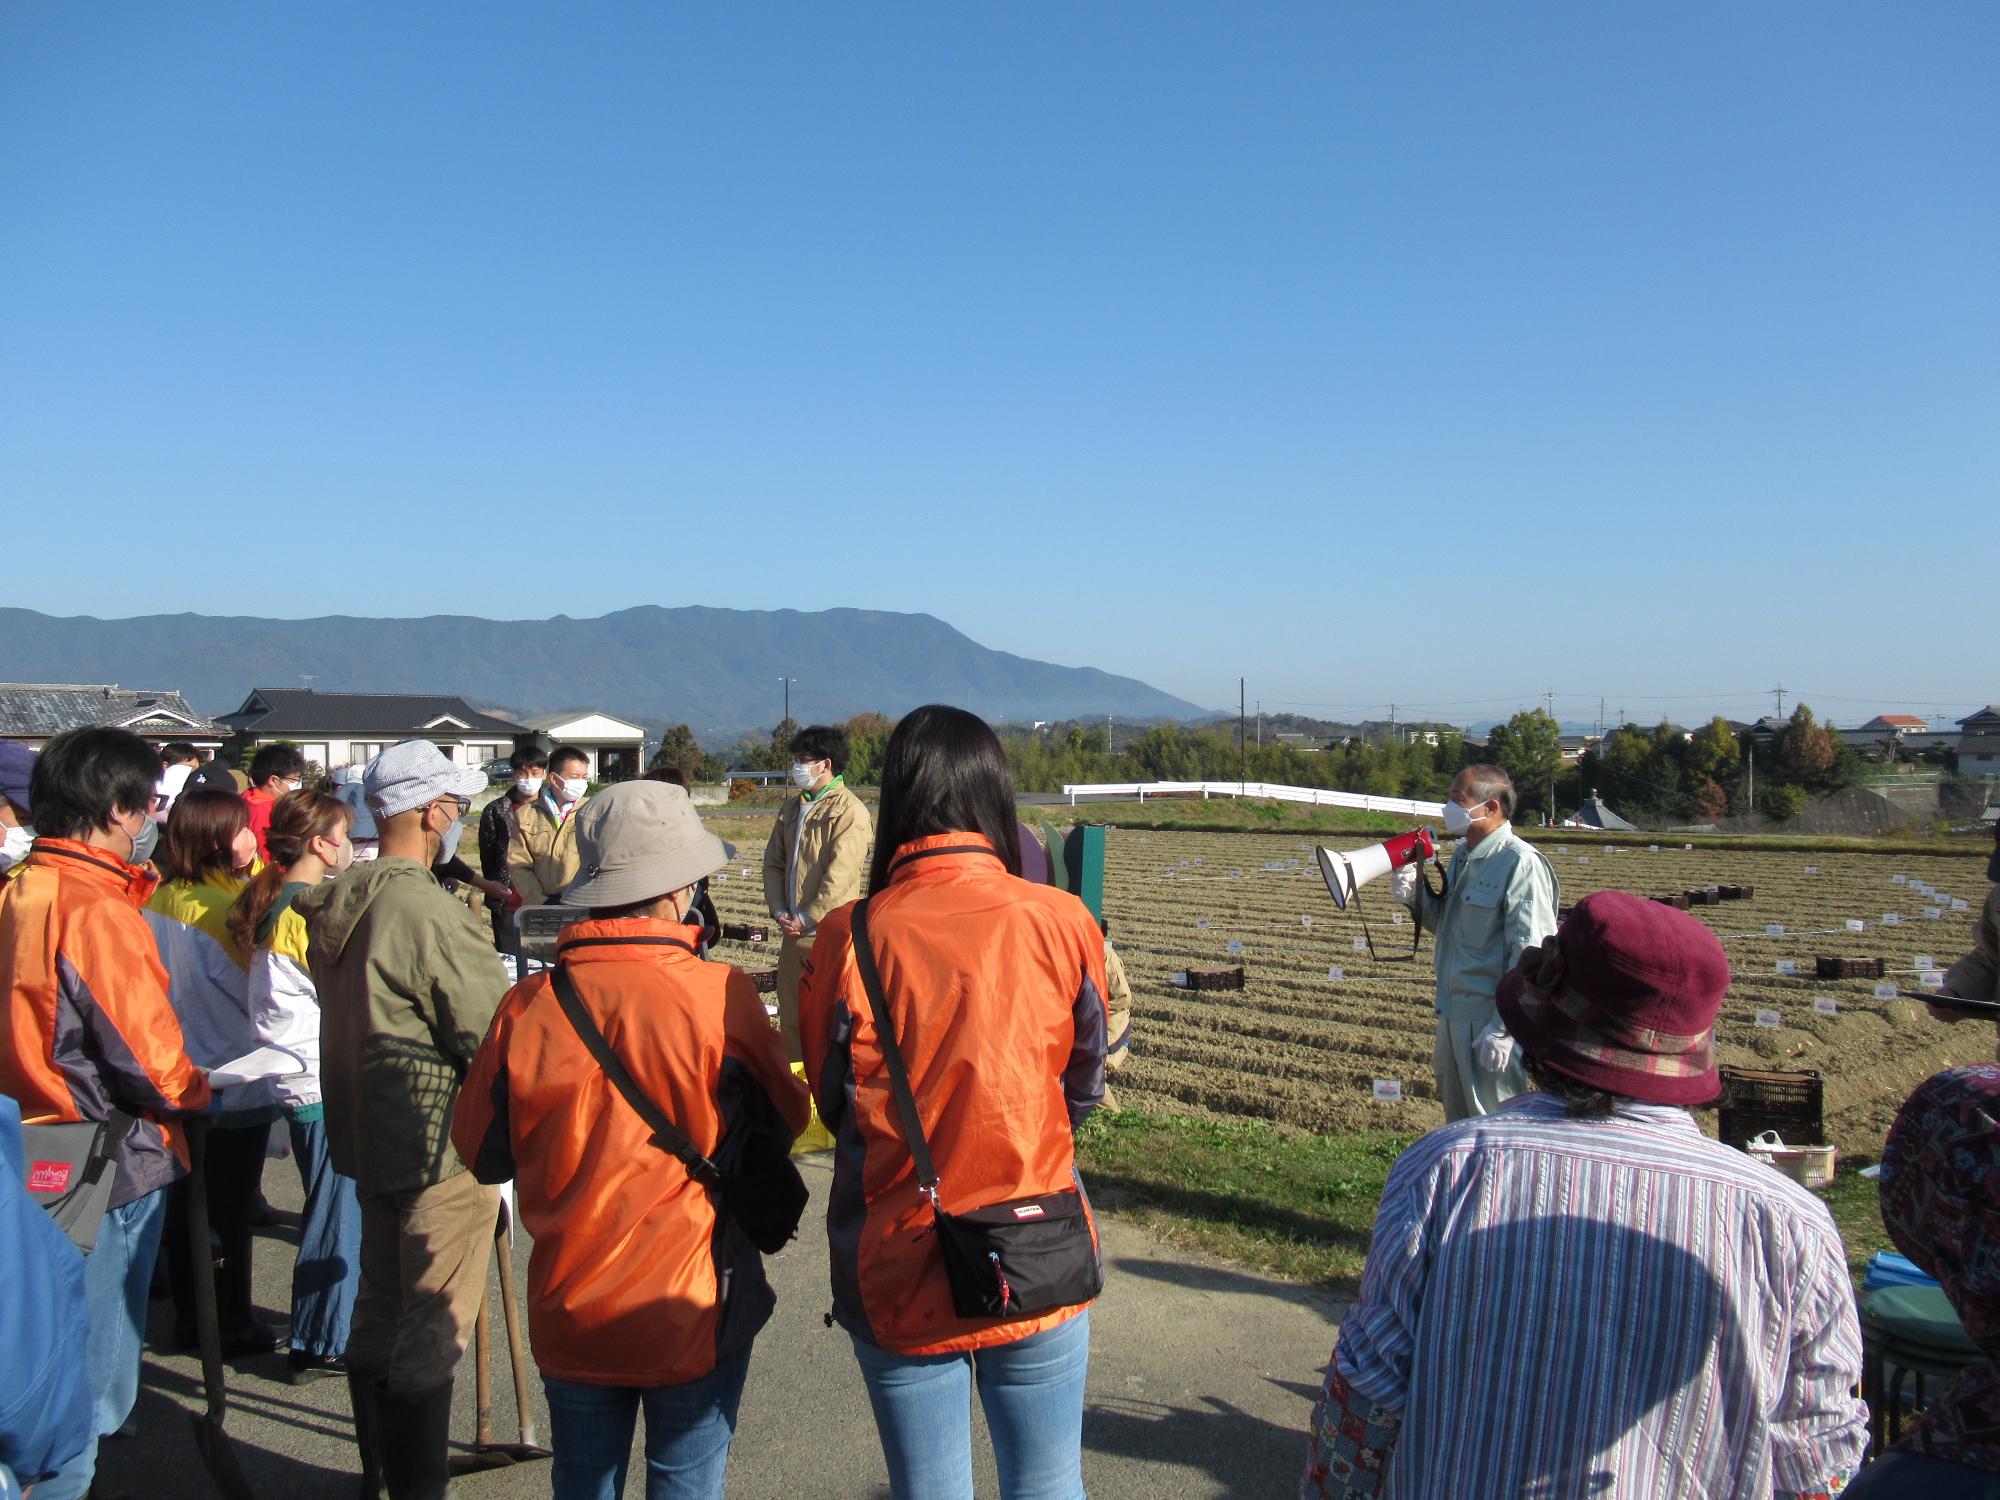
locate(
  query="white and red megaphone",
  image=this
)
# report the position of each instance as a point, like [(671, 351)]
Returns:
[(1347, 873)]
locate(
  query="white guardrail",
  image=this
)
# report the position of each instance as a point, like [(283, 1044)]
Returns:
[(1317, 797)]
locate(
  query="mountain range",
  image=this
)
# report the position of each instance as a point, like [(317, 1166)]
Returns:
[(718, 670)]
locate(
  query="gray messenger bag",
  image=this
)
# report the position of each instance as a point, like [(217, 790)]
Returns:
[(71, 1169)]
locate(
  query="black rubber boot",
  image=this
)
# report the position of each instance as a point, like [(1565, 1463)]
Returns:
[(241, 1332), (413, 1440), (361, 1392)]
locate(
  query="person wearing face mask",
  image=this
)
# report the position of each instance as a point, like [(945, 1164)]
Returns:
[(530, 765), (274, 771), (407, 984), (538, 1109), (541, 854), (17, 832), (206, 857), (814, 860), (1500, 900), (310, 841), (89, 1030)]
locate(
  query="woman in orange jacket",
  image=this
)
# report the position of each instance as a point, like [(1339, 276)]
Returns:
[(994, 987), (640, 1292)]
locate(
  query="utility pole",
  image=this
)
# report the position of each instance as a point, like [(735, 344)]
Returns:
[(1551, 697), (1600, 718), (1752, 799), (1242, 742), (787, 681), (1107, 734), (1779, 690), (307, 679), (1392, 721), (1260, 723)]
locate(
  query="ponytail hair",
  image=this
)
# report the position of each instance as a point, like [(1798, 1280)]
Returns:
[(297, 818)]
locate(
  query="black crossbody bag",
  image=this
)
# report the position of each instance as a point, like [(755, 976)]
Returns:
[(1003, 1260), (765, 1199)]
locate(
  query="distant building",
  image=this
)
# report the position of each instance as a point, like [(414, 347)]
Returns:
[(1594, 814), (616, 748), (33, 713), (1978, 752), (1893, 724), (1575, 746), (340, 729)]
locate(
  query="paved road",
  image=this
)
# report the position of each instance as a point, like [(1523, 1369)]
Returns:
[(1201, 1381)]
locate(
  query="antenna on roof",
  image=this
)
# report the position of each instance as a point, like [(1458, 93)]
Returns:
[(307, 679)]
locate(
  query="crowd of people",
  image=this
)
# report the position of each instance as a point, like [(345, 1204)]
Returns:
[(1571, 1290)]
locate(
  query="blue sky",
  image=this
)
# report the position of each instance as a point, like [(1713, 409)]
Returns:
[(1446, 354)]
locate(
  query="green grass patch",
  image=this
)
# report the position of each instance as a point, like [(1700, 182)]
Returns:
[(1302, 1206), (1291, 1204)]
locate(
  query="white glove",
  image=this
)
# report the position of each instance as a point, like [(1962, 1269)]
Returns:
[(1403, 885), (1493, 1049)]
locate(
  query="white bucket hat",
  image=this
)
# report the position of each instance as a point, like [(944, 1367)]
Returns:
[(413, 773), (638, 841)]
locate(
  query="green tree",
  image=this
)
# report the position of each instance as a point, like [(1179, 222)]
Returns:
[(781, 742), (679, 751), (1807, 751), (1528, 747), (1712, 752)]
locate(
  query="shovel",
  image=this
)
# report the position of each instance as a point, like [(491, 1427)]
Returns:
[(487, 1454), (217, 1452)]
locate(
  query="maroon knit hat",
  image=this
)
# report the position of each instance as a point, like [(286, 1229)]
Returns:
[(1623, 998)]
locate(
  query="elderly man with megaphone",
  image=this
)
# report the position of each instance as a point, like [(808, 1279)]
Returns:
[(1499, 900)]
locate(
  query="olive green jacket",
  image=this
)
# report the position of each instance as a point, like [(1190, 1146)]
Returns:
[(408, 982)]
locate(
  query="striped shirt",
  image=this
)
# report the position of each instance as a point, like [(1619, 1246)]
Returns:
[(1616, 1307)]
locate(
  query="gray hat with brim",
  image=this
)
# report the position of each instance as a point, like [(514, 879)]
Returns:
[(638, 841), (414, 773)]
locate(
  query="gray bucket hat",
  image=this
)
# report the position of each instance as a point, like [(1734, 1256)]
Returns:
[(637, 841)]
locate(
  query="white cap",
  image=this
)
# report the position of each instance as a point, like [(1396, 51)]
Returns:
[(413, 773)]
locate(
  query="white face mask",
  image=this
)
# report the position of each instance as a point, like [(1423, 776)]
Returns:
[(14, 848), (802, 774), (529, 786), (294, 785), (1457, 819), (145, 842), (365, 850), (571, 788)]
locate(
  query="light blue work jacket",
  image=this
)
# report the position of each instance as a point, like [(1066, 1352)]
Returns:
[(1500, 899)]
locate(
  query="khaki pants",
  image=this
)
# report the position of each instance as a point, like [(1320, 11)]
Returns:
[(423, 1271), (1464, 1088), (792, 953)]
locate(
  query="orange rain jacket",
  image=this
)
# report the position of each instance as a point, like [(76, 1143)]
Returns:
[(635, 1279), (87, 1026), (995, 986)]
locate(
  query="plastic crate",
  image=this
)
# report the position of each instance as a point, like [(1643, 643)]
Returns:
[(1754, 1101), (1847, 968)]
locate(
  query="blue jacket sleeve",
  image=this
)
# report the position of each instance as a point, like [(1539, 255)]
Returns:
[(44, 1398)]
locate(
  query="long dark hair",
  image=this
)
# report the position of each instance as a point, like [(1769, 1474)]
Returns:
[(944, 772)]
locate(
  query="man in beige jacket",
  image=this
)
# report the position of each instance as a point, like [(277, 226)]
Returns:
[(815, 860), (541, 852)]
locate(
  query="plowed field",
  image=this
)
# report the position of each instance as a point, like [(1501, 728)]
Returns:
[(1304, 1046)]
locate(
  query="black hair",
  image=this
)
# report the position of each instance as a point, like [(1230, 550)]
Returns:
[(821, 742), (564, 754), (276, 760), (944, 772), (83, 777), (178, 752), (527, 758), (1582, 1101)]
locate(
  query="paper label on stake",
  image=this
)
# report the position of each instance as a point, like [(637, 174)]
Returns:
[(1688, 847), (1899, 880), (1179, 978), (1235, 874), (1361, 945), (1812, 869), (1234, 945), (1890, 919), (1306, 921), (1769, 1020), (1932, 913), (1774, 929), (1825, 1006), (1388, 1091), (1788, 966), (1931, 979), (722, 880), (1583, 859), (1201, 923), (1652, 848), (1855, 924), (1922, 962), (1336, 974), (1886, 992), (1958, 903)]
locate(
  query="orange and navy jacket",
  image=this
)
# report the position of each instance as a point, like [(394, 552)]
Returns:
[(635, 1279), (87, 1026), (995, 987)]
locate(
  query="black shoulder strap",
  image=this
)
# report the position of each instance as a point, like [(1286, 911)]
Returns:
[(892, 1055), (666, 1135)]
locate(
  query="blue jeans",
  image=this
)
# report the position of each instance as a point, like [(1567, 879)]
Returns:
[(116, 1277), (688, 1428), (1032, 1391), (327, 1273)]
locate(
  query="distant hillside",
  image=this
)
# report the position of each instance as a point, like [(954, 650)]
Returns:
[(715, 669)]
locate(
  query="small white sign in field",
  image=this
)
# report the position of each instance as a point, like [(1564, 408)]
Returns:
[(1769, 1020), (1388, 1091)]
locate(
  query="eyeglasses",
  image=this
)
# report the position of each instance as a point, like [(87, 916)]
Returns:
[(463, 804)]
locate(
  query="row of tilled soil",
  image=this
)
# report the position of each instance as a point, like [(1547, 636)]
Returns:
[(1321, 1020)]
